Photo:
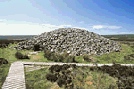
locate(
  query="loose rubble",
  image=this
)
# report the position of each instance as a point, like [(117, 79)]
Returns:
[(72, 40)]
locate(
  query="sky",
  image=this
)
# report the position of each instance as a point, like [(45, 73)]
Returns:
[(33, 17)]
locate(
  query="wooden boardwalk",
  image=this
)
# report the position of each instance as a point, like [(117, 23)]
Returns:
[(16, 75)]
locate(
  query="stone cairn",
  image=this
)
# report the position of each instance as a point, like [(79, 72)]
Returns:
[(73, 41)]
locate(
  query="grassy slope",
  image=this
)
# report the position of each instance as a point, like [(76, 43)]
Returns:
[(117, 57), (36, 79), (105, 58), (120, 36), (12, 37), (95, 80), (3, 73), (9, 54)]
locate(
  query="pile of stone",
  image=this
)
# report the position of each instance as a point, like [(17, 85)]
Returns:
[(72, 40)]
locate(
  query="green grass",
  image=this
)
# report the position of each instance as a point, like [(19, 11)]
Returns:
[(3, 73), (84, 79), (93, 79), (125, 37), (36, 79), (9, 54), (117, 57)]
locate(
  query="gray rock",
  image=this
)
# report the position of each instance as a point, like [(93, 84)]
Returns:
[(73, 40)]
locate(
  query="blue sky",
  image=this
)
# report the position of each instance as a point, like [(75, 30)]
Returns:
[(32, 17)]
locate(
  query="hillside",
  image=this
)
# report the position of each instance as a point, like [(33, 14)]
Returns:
[(72, 40), (15, 37)]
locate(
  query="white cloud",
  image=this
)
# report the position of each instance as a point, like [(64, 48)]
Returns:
[(2, 20), (80, 27), (97, 27), (8, 28), (105, 26), (25, 28)]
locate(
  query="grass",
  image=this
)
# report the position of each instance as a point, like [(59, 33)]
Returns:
[(113, 57), (3, 73), (117, 57), (9, 54), (84, 79), (36, 79)]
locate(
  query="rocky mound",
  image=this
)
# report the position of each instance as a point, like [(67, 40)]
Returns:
[(72, 40)]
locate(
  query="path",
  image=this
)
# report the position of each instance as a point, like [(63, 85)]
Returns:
[(77, 64), (16, 75)]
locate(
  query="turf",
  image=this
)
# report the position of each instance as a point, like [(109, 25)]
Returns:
[(83, 79), (9, 54)]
